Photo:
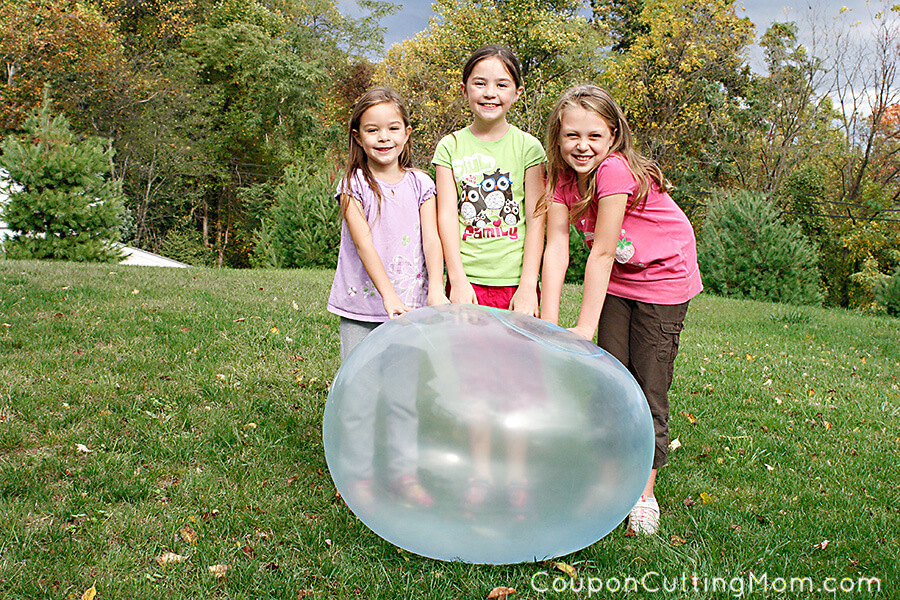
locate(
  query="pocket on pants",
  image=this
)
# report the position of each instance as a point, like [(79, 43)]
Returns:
[(667, 349)]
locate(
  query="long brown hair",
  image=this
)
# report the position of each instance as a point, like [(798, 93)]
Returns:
[(597, 100), (357, 160)]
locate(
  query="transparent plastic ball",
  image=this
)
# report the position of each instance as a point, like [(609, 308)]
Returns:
[(475, 434)]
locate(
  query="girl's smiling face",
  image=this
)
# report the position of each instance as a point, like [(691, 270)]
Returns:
[(382, 135), (490, 90), (585, 140)]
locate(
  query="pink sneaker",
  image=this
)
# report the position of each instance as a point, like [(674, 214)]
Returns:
[(644, 517)]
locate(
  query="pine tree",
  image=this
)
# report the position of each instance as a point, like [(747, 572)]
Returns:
[(62, 203)]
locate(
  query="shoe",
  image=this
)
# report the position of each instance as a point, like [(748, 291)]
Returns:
[(644, 517), (409, 489), (477, 492), (361, 494), (519, 499)]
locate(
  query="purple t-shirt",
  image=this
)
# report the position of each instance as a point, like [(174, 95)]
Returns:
[(397, 236), (656, 257)]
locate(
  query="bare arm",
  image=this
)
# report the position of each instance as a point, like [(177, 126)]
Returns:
[(610, 212), (448, 225), (434, 258), (525, 300), (362, 239), (556, 261)]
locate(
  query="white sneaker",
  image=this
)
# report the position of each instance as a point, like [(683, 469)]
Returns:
[(644, 517)]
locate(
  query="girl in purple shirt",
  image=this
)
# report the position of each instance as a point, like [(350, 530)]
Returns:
[(642, 268), (390, 262)]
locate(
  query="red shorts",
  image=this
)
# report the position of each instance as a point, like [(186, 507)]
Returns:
[(496, 296)]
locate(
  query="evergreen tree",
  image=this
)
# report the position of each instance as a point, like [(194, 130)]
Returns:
[(62, 203), (746, 250)]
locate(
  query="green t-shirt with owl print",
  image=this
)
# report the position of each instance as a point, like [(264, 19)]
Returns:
[(490, 182)]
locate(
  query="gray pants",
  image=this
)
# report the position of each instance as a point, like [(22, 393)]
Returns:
[(390, 385)]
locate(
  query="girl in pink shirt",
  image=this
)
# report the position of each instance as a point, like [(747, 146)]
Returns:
[(642, 267)]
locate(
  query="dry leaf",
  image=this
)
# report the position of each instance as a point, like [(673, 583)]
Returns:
[(89, 594), (822, 545), (218, 570), (82, 448), (169, 558), (566, 568), (691, 418), (305, 593), (676, 541), (188, 534), (706, 498), (688, 502), (501, 592)]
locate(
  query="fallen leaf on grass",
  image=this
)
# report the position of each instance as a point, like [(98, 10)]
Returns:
[(89, 594), (689, 502), (822, 545), (566, 568), (305, 593), (691, 418), (248, 551), (501, 592), (706, 498), (82, 448), (188, 534), (218, 570), (676, 541), (674, 444), (169, 558)]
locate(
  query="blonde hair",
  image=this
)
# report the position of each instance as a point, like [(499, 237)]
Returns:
[(597, 100), (357, 160)]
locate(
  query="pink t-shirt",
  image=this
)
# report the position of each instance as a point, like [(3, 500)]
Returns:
[(656, 258)]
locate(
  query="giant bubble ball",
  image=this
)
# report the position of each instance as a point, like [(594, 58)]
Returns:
[(468, 433)]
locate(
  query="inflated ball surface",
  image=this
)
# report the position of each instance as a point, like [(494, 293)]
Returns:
[(469, 433)]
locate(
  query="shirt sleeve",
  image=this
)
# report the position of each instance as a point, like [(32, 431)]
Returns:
[(534, 152), (354, 191), (614, 177), (427, 189), (442, 152), (563, 194)]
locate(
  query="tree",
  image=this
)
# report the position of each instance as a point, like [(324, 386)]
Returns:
[(683, 56), (554, 43), (863, 74), (64, 43), (63, 205)]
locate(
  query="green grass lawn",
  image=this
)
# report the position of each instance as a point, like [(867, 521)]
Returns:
[(149, 411)]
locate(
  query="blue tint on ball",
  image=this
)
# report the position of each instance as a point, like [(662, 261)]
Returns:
[(468, 433)]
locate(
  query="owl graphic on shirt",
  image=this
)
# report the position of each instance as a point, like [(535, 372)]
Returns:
[(493, 197)]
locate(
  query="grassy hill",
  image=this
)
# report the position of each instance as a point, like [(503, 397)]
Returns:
[(150, 411)]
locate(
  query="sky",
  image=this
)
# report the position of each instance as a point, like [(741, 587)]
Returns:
[(413, 16)]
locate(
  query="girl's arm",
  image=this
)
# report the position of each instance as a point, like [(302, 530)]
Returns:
[(434, 258), (556, 261), (610, 212), (448, 225), (525, 300), (362, 239)]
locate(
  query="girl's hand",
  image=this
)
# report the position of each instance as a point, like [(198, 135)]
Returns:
[(525, 302), (394, 306), (437, 297), (463, 293), (583, 332)]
